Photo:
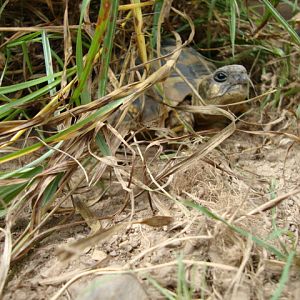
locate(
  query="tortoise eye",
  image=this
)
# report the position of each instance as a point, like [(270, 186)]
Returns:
[(220, 76)]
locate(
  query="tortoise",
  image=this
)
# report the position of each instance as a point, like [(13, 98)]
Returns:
[(218, 86)]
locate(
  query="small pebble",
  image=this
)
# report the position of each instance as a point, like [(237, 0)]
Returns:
[(113, 253)]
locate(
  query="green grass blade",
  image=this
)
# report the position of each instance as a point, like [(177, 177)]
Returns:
[(32, 164), (209, 34), (107, 47), (233, 6), (9, 191), (101, 25), (166, 293), (85, 98), (284, 276), (48, 61), (13, 114), (102, 145), (2, 7), (282, 21), (5, 108), (238, 230), (105, 60), (27, 84), (30, 37), (183, 291), (26, 57), (58, 59), (66, 134), (157, 10), (3, 213), (51, 189), (4, 98)]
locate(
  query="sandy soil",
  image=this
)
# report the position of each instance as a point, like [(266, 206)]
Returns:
[(245, 172)]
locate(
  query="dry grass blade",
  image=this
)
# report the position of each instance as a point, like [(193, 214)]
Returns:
[(292, 137), (101, 26), (40, 117), (67, 46), (236, 281), (88, 215), (138, 25), (4, 182), (67, 252), (272, 203), (205, 148), (156, 221), (136, 5), (6, 256)]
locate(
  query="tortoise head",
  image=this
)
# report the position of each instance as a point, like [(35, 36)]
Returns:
[(228, 84)]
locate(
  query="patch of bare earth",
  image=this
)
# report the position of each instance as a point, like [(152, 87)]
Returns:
[(244, 173)]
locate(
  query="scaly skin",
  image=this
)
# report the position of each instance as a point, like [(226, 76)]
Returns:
[(228, 84)]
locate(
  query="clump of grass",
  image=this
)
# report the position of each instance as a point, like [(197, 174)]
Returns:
[(66, 71)]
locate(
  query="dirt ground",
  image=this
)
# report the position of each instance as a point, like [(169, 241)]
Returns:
[(245, 172)]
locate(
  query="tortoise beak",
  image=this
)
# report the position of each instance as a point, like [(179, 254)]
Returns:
[(239, 79)]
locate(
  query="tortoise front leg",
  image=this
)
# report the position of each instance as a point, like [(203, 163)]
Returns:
[(180, 121)]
